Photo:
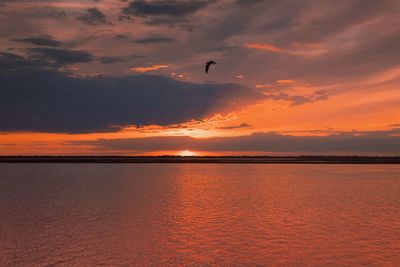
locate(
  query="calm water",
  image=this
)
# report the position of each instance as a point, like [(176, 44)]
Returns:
[(204, 214)]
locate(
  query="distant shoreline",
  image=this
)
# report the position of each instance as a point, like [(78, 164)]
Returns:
[(204, 159)]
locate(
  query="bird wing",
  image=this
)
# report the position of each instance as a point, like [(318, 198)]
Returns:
[(207, 66)]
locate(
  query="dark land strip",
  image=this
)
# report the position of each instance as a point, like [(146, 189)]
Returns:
[(204, 159)]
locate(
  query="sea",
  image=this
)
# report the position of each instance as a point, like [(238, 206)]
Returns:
[(199, 214)]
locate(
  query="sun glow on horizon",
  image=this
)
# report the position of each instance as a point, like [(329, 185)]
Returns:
[(188, 153)]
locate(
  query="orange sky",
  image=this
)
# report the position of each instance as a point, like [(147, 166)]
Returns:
[(77, 76)]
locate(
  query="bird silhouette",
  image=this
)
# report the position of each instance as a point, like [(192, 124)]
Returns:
[(208, 64)]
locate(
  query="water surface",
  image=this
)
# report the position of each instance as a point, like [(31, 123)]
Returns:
[(199, 214)]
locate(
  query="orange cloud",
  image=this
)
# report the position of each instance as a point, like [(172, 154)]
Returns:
[(264, 46), (146, 69), (285, 81), (263, 85)]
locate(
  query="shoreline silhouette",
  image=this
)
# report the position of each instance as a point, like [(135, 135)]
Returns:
[(205, 159)]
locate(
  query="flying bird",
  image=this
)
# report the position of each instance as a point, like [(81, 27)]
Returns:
[(208, 64)]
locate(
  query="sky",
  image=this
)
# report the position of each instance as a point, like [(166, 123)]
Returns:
[(123, 77)]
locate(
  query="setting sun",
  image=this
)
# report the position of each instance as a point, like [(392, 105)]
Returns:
[(188, 153)]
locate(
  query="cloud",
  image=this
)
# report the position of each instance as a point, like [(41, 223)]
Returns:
[(264, 46), (173, 8), (169, 21), (385, 142), (263, 85), (296, 100), (338, 50), (307, 45), (179, 76), (114, 59), (231, 127), (247, 2), (38, 98), (13, 62), (275, 27), (94, 16), (285, 81), (145, 40), (44, 40), (59, 56), (153, 40), (297, 49), (150, 68), (167, 12)]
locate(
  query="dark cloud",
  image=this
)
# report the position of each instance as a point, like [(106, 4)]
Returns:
[(94, 16), (169, 21), (247, 2), (153, 40), (34, 98), (124, 17), (44, 40), (14, 63), (169, 13), (242, 125), (60, 56), (122, 36), (174, 8), (345, 143), (114, 59)]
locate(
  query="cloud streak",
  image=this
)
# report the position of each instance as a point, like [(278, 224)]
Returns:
[(44, 40), (94, 16), (148, 69), (264, 46), (173, 8), (60, 56)]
